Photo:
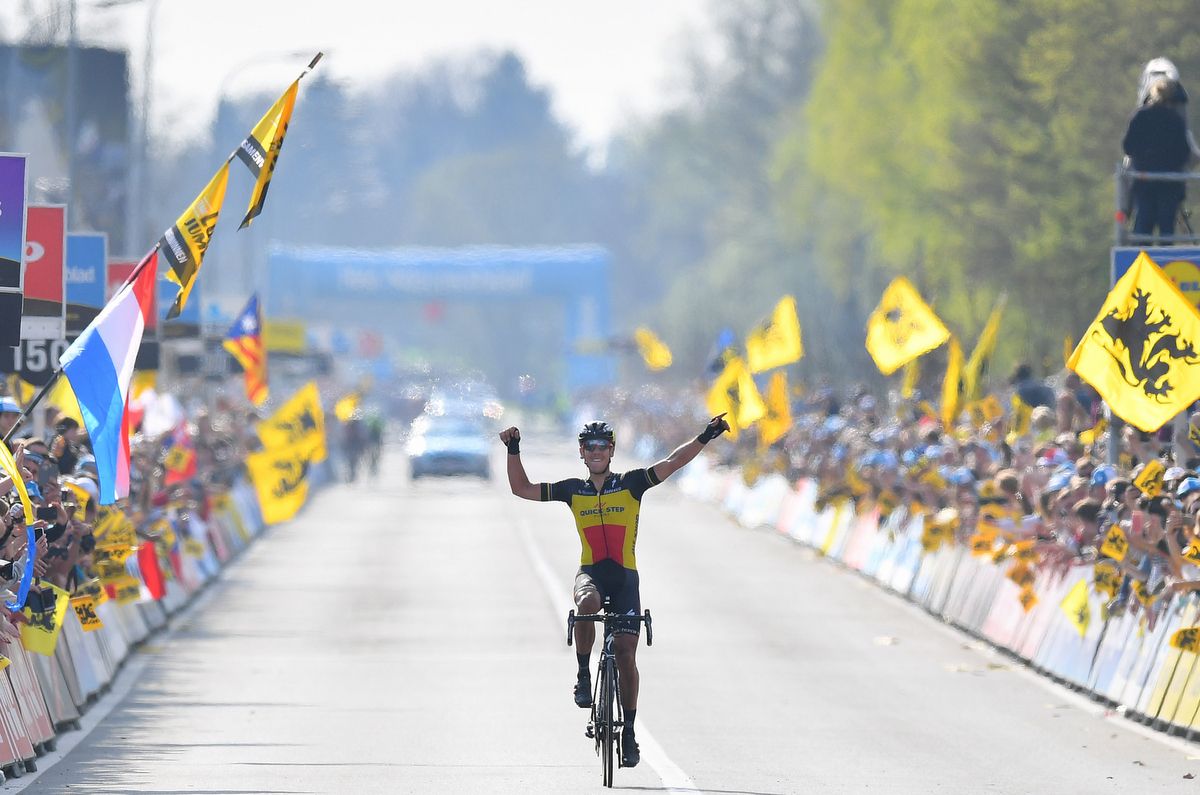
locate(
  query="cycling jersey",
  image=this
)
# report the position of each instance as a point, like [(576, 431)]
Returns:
[(607, 521)]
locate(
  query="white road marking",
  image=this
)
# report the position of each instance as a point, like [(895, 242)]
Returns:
[(673, 777), (122, 683)]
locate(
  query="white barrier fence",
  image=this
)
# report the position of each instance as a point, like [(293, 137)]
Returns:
[(42, 696), (1117, 660)]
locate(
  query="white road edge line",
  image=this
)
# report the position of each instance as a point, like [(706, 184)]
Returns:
[(672, 776), (126, 678), (969, 642)]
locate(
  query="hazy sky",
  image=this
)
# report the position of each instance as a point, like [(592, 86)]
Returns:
[(603, 61)]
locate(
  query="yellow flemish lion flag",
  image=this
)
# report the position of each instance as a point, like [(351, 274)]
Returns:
[(981, 356), (45, 609), (776, 341), (952, 385), (902, 327), (186, 241), (655, 352), (778, 420), (280, 477), (1186, 639), (1022, 418), (735, 395), (20, 390), (260, 151), (1139, 353), (1075, 607), (298, 423)]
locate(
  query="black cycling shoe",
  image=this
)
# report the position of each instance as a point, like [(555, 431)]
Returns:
[(583, 691), (629, 751)]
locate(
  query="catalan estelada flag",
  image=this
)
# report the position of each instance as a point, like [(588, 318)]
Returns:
[(245, 343)]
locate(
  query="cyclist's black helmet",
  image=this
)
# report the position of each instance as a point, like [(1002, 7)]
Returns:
[(597, 430)]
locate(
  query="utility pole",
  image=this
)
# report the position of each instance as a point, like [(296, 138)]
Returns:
[(71, 109)]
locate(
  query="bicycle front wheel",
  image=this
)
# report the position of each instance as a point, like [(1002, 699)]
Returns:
[(608, 732)]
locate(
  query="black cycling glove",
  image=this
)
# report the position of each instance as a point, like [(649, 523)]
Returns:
[(514, 446), (716, 426)]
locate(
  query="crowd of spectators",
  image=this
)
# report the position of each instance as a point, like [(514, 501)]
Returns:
[(177, 473), (1027, 467)]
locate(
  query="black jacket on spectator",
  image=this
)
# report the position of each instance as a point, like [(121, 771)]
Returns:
[(1156, 140)]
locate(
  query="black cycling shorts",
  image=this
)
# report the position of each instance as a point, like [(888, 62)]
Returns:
[(617, 582)]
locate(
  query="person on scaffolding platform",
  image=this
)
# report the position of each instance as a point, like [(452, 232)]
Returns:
[(1157, 140)]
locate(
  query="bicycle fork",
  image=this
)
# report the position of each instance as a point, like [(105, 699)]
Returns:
[(607, 658)]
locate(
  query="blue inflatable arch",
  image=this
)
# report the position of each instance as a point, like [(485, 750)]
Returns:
[(302, 280)]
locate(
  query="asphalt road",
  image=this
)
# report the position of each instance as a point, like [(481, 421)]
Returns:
[(410, 638)]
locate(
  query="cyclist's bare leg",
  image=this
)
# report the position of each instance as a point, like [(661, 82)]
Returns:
[(626, 648), (587, 602)]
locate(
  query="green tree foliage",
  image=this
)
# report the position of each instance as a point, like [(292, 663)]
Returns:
[(707, 230), (975, 153), (831, 145)]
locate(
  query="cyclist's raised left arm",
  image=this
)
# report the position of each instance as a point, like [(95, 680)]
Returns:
[(684, 453)]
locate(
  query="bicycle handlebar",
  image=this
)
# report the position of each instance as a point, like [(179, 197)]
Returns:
[(606, 618)]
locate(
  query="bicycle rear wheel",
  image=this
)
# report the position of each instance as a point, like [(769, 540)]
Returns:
[(608, 731)]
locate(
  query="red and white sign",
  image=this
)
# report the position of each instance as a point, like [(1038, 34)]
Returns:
[(44, 313)]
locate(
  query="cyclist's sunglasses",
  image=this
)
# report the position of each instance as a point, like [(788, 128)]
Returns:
[(596, 444)]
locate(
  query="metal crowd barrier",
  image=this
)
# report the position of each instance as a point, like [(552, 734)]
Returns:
[(1118, 661), (44, 696)]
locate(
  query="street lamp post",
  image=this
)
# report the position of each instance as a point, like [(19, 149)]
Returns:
[(135, 220)]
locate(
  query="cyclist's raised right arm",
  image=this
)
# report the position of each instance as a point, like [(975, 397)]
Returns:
[(518, 481)]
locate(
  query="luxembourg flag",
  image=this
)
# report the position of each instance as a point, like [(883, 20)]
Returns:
[(99, 365)]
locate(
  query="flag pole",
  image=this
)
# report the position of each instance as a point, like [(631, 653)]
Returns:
[(151, 256), (32, 404)]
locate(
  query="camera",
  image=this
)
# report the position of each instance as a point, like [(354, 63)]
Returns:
[(46, 513)]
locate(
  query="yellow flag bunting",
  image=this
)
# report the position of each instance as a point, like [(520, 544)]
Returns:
[(778, 420), (44, 611), (776, 341), (1150, 480), (1075, 607), (260, 151), (910, 378), (299, 422), (655, 352), (280, 477), (186, 241), (902, 327), (1138, 353), (344, 409), (8, 466), (735, 395), (952, 385), (293, 438), (981, 356), (1186, 639)]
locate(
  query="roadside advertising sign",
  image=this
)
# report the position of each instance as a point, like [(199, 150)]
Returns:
[(87, 254), (44, 313)]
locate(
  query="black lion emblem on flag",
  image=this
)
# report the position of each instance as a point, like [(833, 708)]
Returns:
[(1148, 348)]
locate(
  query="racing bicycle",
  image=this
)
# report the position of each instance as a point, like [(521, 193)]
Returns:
[(607, 717)]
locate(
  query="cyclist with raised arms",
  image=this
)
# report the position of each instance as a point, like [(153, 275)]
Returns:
[(606, 506)]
